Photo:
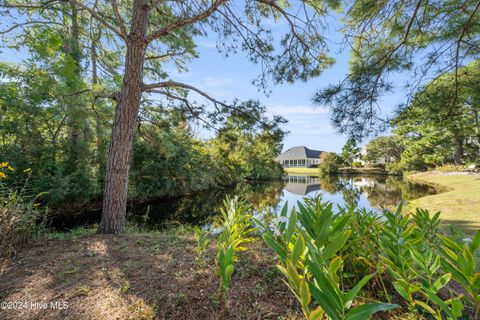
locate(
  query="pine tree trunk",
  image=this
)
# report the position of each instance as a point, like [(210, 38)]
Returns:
[(126, 113)]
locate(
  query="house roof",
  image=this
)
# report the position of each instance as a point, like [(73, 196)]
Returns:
[(300, 152)]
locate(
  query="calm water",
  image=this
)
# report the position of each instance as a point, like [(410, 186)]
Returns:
[(369, 192)]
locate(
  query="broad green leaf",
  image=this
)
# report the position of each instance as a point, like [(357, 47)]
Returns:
[(364, 311), (292, 223), (352, 293), (272, 243), (304, 292), (298, 249), (337, 243), (441, 282)]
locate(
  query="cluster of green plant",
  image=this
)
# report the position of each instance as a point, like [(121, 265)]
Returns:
[(201, 236), (308, 245), (236, 227), (20, 218), (328, 260)]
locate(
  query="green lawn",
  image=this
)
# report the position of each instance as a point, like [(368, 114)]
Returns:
[(312, 171), (459, 203)]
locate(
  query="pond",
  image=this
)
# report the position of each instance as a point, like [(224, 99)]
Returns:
[(369, 192)]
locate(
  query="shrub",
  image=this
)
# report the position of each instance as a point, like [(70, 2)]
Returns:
[(20, 218), (357, 164), (202, 246), (330, 162)]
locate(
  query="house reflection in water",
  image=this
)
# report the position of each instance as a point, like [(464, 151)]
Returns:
[(302, 185)]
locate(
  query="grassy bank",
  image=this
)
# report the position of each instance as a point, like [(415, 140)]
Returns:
[(346, 170), (312, 171), (316, 171), (459, 202)]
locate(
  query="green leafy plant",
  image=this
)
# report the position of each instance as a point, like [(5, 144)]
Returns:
[(236, 223), (459, 260), (21, 219), (407, 251), (307, 247), (202, 245)]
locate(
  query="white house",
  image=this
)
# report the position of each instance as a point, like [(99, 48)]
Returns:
[(299, 156)]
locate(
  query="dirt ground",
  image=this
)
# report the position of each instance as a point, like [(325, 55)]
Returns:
[(138, 277)]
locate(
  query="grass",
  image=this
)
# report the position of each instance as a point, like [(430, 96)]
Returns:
[(459, 202), (313, 171), (316, 171)]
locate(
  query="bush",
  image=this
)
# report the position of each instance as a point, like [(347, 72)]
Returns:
[(330, 162), (357, 164), (20, 218)]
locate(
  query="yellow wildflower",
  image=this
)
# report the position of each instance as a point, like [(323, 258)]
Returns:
[(28, 170), (3, 164), (2, 175), (10, 168)]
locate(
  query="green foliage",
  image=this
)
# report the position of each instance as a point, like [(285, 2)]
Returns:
[(202, 246), (459, 260), (432, 138), (236, 224), (310, 242), (20, 218), (349, 151), (392, 41), (356, 164), (328, 259), (330, 162), (390, 147)]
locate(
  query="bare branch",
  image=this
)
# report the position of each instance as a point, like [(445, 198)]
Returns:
[(29, 23)]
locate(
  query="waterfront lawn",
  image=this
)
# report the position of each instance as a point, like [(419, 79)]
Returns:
[(459, 201), (312, 171)]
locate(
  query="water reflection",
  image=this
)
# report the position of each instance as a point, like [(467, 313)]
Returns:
[(370, 192)]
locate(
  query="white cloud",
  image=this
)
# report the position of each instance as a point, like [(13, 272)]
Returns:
[(217, 83), (209, 45), (298, 109)]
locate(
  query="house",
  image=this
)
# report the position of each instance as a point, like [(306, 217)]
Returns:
[(360, 157), (302, 185), (300, 157)]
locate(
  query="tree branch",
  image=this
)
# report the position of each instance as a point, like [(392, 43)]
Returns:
[(100, 19), (185, 22)]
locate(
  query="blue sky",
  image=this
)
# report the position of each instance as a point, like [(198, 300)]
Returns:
[(231, 78), (308, 124)]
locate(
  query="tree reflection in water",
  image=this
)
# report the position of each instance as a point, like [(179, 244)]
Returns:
[(369, 192)]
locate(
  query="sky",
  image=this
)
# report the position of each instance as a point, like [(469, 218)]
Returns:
[(231, 78), (308, 124)]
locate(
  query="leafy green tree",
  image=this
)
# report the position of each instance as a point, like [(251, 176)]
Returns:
[(349, 152), (399, 44), (330, 162), (380, 147), (149, 35), (437, 132)]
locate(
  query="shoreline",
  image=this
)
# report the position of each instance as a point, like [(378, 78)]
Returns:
[(342, 171), (458, 199)]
